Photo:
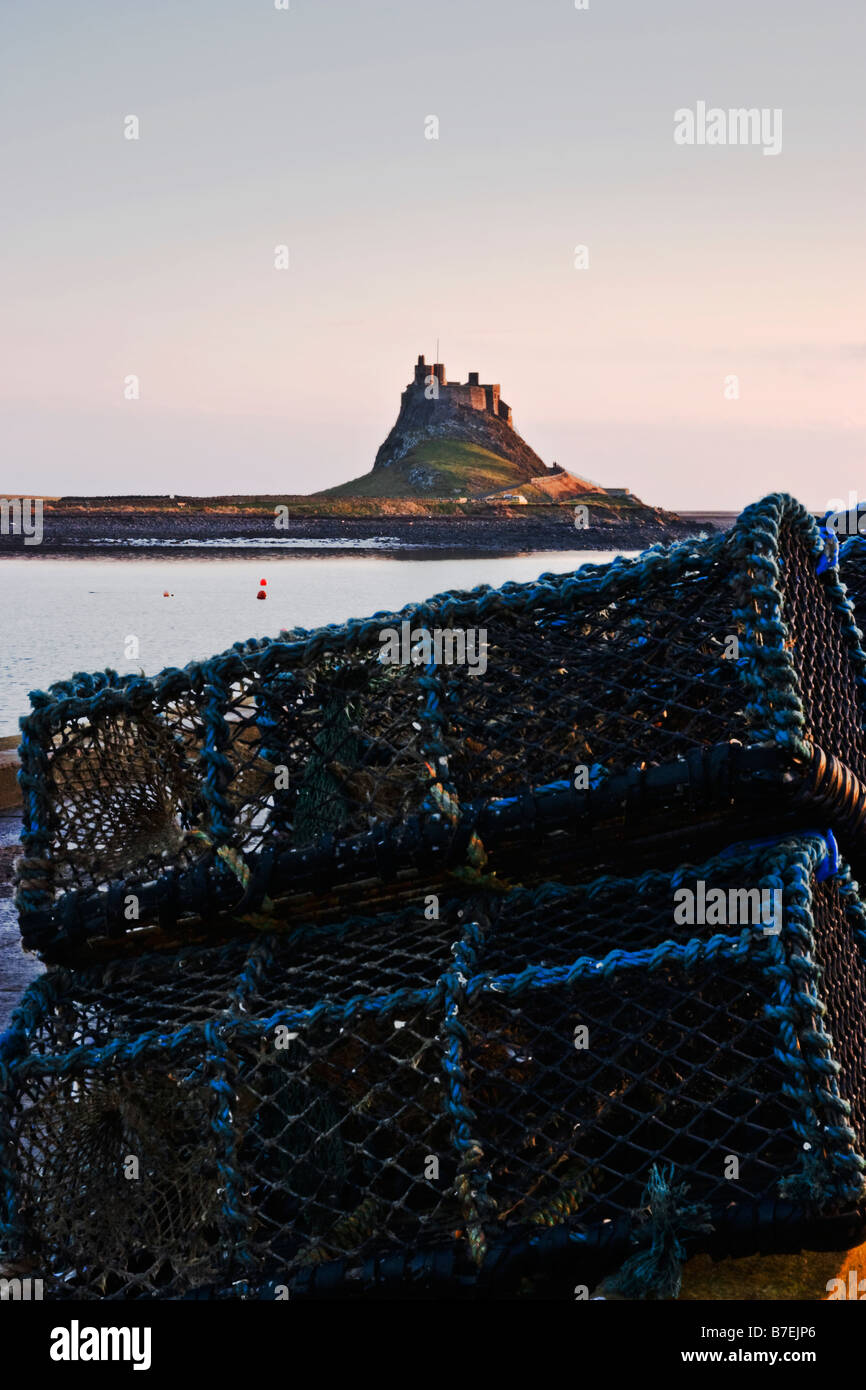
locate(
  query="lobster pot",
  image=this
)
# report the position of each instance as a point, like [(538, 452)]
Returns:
[(518, 1093), (408, 744)]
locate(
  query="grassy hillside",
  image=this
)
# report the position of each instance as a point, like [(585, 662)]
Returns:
[(448, 468), (426, 483)]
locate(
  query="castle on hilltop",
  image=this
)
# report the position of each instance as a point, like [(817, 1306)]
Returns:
[(472, 394), (473, 412), (454, 440)]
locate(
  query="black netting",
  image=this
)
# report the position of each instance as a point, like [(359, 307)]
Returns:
[(830, 685), (852, 572), (95, 1231), (578, 1133), (839, 945), (638, 678)]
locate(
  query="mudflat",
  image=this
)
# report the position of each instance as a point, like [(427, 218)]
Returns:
[(499, 530)]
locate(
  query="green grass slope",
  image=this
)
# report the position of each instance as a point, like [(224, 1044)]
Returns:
[(450, 468)]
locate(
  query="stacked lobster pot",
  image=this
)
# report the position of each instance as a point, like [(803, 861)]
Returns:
[(510, 943)]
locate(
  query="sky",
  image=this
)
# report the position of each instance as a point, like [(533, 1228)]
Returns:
[(711, 350)]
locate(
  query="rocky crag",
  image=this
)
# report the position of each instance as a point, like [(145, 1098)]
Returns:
[(431, 407)]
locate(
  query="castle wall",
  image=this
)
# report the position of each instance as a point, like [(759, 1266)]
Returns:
[(471, 395)]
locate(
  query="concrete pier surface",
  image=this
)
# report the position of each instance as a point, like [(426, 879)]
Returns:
[(10, 793), (17, 967)]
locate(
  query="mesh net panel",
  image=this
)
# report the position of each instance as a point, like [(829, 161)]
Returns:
[(636, 679), (579, 1134), (332, 749), (852, 571), (832, 704), (95, 1231), (839, 945), (123, 791)]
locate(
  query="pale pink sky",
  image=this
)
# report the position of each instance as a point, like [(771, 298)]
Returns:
[(261, 127)]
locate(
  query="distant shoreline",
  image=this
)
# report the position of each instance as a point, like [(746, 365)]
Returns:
[(138, 532)]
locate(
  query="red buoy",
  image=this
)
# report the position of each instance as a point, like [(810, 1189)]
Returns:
[(263, 583)]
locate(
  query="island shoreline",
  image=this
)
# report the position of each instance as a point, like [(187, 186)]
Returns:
[(199, 533)]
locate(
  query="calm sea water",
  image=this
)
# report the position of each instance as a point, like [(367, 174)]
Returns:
[(58, 616)]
